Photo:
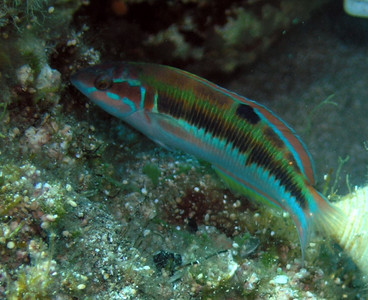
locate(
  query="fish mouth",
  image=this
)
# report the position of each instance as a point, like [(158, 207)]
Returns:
[(75, 80), (82, 80)]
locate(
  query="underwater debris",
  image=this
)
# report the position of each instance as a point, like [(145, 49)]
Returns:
[(167, 260), (215, 271), (245, 245)]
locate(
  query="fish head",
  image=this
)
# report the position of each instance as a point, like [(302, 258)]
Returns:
[(115, 87)]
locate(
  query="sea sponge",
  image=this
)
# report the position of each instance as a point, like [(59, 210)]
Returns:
[(353, 237)]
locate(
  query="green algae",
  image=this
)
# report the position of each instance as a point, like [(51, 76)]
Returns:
[(34, 281), (341, 163), (10, 192), (327, 101), (24, 40), (3, 113), (269, 258), (153, 172)]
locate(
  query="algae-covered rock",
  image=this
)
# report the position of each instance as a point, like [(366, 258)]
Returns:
[(29, 31), (206, 36)]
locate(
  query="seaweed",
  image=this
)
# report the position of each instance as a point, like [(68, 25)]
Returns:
[(153, 172)]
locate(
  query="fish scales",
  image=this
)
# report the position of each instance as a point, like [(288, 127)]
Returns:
[(253, 150)]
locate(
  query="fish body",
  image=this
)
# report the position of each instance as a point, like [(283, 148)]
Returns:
[(255, 152)]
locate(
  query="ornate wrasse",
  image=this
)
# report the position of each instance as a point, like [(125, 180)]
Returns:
[(255, 152)]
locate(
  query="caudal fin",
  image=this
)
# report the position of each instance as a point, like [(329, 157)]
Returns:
[(320, 214), (327, 216)]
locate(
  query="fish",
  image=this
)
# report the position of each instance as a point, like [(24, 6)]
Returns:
[(253, 150)]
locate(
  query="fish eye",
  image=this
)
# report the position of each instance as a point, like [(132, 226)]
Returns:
[(103, 82)]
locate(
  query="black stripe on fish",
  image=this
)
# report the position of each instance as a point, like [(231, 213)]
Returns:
[(247, 113)]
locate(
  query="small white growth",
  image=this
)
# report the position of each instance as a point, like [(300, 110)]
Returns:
[(48, 79), (37, 137), (10, 245), (237, 203), (25, 75), (281, 279), (68, 187), (144, 191), (71, 42)]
